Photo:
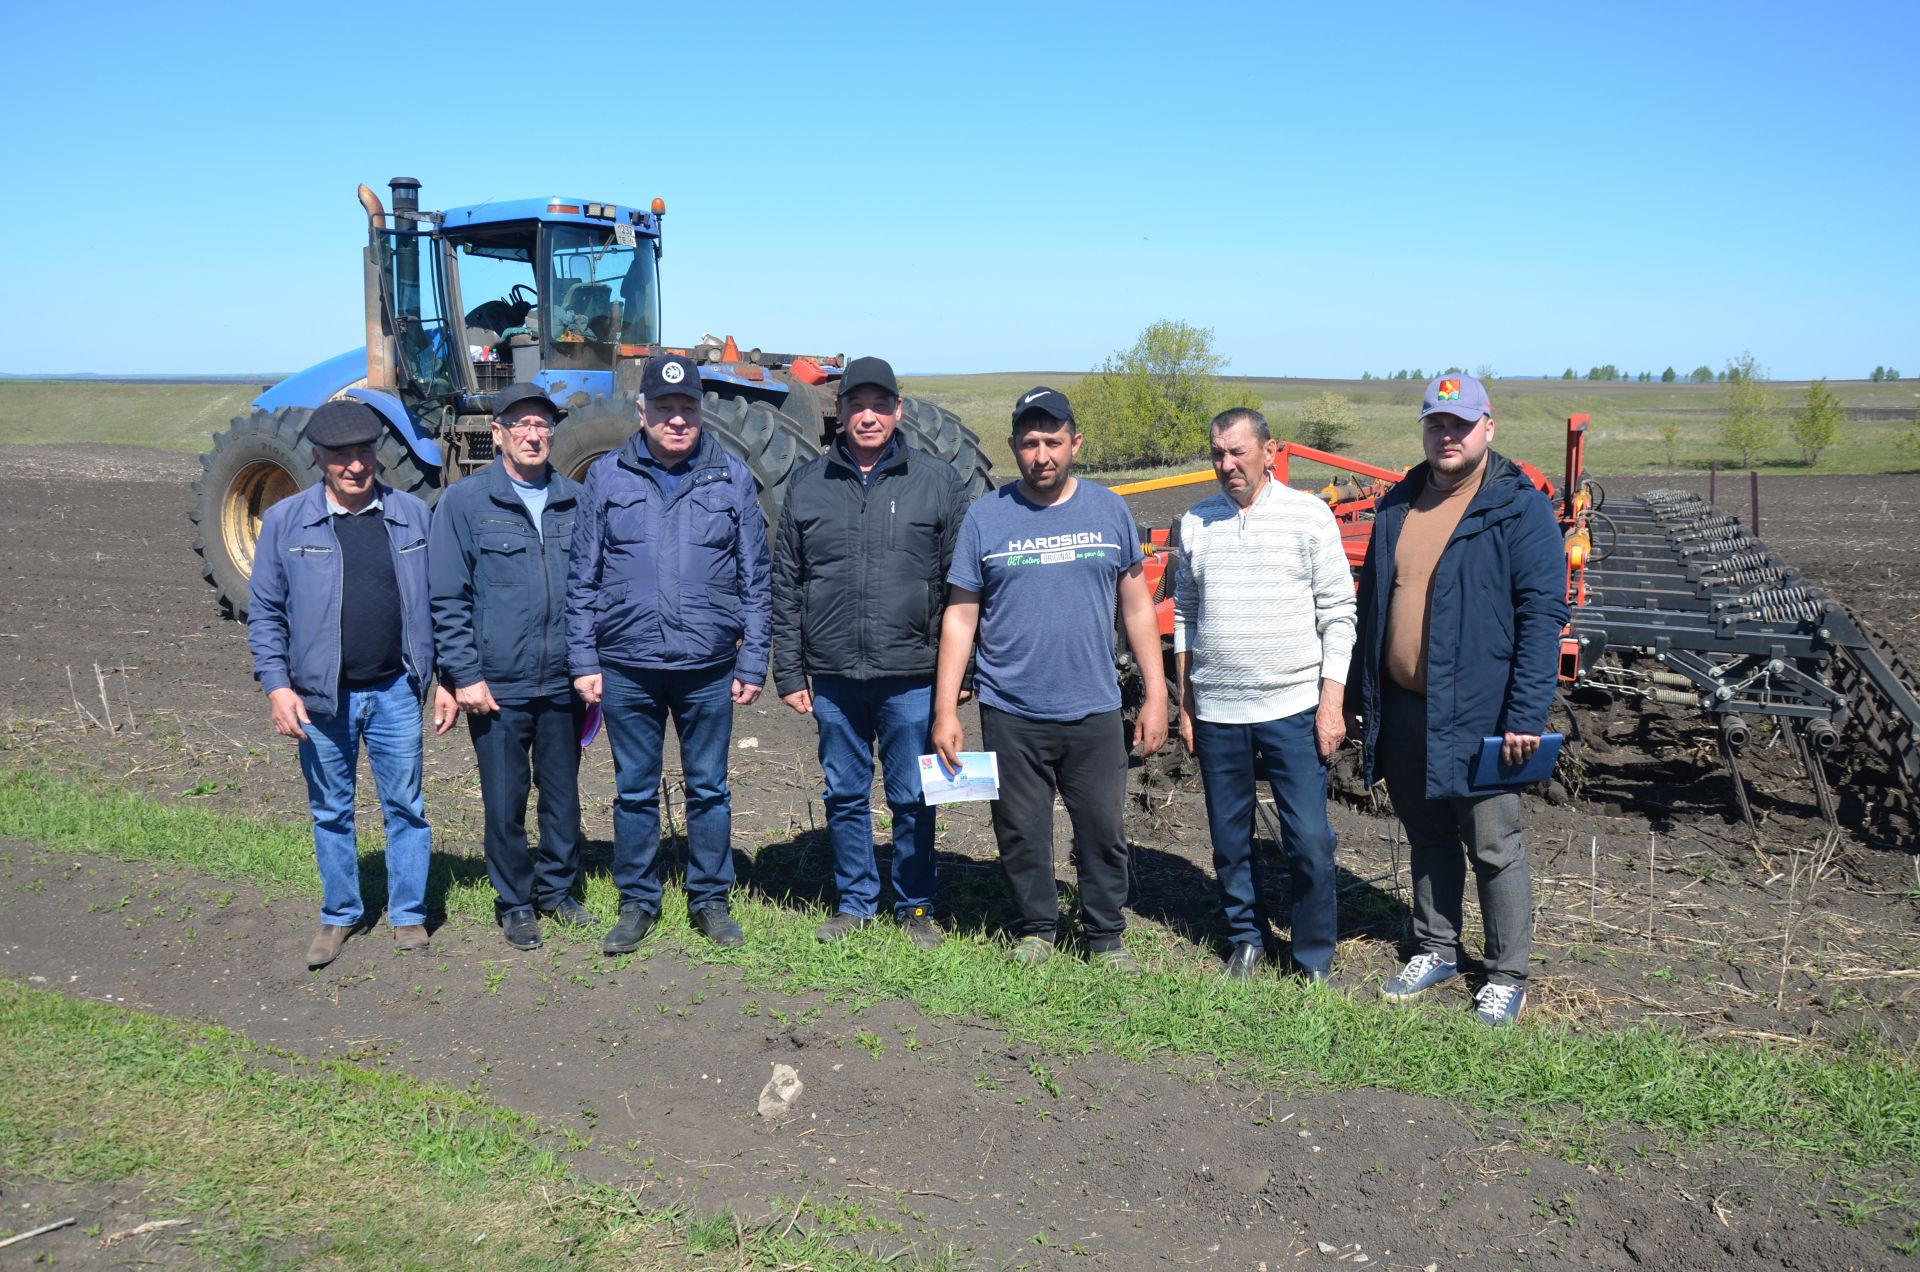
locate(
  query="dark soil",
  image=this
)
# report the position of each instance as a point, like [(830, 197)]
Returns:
[(1134, 1165)]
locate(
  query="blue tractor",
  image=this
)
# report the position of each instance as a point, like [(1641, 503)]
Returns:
[(561, 292)]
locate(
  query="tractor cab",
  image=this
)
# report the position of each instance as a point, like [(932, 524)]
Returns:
[(552, 291)]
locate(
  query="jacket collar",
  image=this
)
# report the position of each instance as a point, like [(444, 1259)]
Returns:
[(318, 508), (892, 460), (636, 456), (560, 487), (1501, 486)]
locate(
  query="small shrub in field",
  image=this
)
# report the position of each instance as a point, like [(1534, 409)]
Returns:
[(1670, 438), (1816, 425), (1749, 426), (1326, 422)]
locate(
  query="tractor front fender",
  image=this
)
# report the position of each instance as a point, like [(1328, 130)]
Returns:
[(317, 383), (424, 448), (345, 376)]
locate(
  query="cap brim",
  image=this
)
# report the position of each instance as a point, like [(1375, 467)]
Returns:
[(1470, 413)]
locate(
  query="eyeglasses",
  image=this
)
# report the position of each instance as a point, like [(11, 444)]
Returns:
[(529, 427)]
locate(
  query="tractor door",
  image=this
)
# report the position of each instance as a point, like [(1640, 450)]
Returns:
[(430, 363)]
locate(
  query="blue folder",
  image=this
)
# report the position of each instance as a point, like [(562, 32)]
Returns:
[(1489, 773)]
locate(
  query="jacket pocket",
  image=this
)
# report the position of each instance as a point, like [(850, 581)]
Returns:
[(715, 521), (502, 561), (626, 515)]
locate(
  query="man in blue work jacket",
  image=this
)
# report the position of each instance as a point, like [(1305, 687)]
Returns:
[(669, 613), (342, 640), (1462, 600), (499, 568)]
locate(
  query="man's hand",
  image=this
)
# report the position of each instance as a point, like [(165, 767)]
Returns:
[(744, 693), (1518, 748), (588, 687), (800, 700), (289, 714), (476, 699), (948, 739), (1186, 724), (446, 709), (1150, 729), (1330, 721)]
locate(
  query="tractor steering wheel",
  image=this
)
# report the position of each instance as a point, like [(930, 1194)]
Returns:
[(531, 299)]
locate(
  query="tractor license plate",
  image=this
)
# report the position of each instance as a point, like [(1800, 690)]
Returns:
[(623, 234)]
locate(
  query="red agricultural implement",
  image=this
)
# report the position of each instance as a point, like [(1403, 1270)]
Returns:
[(1677, 603)]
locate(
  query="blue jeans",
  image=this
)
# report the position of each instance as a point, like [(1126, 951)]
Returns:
[(636, 703), (1232, 759), (897, 713), (548, 731), (387, 718)]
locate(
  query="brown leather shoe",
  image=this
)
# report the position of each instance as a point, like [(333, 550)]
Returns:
[(326, 945), (409, 938)]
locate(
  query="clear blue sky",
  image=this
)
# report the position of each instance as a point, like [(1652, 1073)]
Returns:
[(999, 186)]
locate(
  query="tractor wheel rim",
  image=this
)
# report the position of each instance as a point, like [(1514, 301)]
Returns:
[(253, 490)]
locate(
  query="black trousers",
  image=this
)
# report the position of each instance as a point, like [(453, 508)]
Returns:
[(548, 731), (1085, 761)]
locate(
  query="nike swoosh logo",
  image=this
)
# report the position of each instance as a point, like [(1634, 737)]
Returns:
[(1036, 393)]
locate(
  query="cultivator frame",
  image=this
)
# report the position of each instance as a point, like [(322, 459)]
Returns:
[(1679, 603)]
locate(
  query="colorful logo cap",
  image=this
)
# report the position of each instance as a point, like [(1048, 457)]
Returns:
[(1456, 394)]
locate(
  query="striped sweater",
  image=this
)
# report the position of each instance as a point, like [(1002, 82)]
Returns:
[(1263, 602)]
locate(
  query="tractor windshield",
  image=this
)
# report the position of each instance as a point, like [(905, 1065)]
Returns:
[(600, 292)]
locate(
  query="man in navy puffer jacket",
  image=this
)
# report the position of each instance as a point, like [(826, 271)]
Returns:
[(669, 613)]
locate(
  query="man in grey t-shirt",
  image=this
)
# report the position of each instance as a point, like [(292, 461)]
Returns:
[(1035, 575)]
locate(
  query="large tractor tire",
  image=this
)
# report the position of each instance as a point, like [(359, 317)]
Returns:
[(938, 431), (766, 440), (260, 460), (805, 406)]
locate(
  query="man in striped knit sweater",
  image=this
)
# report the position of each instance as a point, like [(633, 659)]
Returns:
[(1262, 634)]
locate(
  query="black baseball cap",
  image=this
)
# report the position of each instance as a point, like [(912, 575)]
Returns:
[(874, 371), (345, 422), (517, 394), (667, 374), (1048, 401)]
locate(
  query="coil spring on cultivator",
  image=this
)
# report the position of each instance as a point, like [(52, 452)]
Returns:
[(1743, 634)]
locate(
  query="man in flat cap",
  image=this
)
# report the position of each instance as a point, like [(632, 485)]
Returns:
[(342, 640), (668, 615), (859, 583), (498, 564), (1038, 572)]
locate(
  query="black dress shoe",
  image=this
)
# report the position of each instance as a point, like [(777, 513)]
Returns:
[(635, 922), (1244, 962), (520, 928), (571, 913), (718, 926)]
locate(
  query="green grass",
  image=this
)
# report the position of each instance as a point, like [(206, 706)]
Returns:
[(169, 416), (284, 1161), (1624, 435), (1854, 1105)]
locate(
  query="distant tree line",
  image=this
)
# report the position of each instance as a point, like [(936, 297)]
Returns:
[(1883, 373)]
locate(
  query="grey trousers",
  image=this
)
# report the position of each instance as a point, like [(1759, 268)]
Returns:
[(1486, 826)]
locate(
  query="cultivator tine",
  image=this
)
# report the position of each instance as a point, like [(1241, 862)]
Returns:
[(1739, 784)]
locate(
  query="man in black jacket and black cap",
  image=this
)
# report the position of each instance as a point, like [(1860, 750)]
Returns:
[(859, 585)]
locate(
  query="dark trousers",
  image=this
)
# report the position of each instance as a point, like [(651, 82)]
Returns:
[(1085, 761), (1233, 758), (1486, 826), (547, 730), (637, 703)]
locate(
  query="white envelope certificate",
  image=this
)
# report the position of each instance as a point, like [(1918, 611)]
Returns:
[(978, 778)]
